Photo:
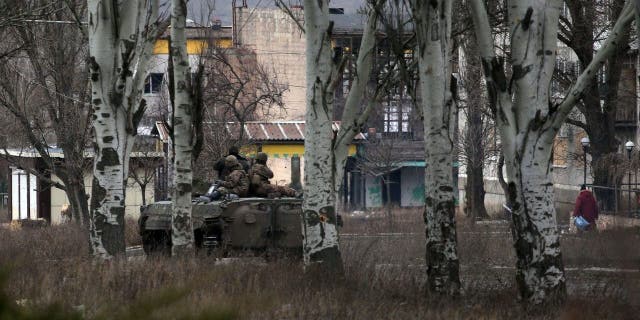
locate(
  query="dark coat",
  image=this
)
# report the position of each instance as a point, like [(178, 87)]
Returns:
[(223, 171), (586, 206)]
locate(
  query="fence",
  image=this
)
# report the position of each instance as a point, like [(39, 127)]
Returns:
[(4, 207), (4, 201), (622, 200)]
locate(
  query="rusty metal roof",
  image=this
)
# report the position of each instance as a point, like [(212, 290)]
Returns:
[(275, 130), (162, 131)]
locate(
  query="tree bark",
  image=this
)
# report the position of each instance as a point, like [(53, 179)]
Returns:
[(474, 192), (120, 47), (78, 201), (181, 224), (475, 134), (600, 118), (433, 35), (326, 151), (143, 190), (528, 124), (354, 115), (320, 243)]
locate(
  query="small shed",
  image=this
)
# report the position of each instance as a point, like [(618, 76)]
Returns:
[(31, 197)]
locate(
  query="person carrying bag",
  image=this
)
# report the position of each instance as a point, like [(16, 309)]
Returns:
[(585, 212)]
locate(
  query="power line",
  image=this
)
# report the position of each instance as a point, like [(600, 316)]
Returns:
[(55, 21), (48, 89)]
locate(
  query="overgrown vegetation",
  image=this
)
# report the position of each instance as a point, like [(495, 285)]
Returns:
[(49, 274)]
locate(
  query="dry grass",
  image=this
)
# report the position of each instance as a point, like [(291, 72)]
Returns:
[(384, 279), (4, 214)]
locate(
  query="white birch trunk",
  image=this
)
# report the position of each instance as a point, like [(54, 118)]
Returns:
[(353, 117), (119, 54), (433, 27), (528, 123), (320, 235), (181, 225)]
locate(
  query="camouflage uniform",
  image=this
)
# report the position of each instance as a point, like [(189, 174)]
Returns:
[(223, 171), (259, 177), (237, 181)]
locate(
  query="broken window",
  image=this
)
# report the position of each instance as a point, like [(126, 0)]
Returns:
[(153, 83)]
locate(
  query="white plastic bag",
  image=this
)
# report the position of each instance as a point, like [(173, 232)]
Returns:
[(581, 223)]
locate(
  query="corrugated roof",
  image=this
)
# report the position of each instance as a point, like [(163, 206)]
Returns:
[(275, 130), (162, 131), (203, 33)]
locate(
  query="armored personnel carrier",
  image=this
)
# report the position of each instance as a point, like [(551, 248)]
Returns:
[(223, 227)]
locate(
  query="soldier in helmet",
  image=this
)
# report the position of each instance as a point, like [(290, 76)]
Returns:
[(259, 178), (236, 182), (223, 170)]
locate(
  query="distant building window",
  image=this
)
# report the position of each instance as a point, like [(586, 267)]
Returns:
[(396, 118), (391, 118), (153, 83)]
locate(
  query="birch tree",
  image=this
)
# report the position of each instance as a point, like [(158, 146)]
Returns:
[(528, 122), (326, 151), (181, 225), (121, 39), (433, 38)]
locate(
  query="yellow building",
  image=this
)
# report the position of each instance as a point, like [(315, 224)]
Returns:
[(199, 39), (280, 140)]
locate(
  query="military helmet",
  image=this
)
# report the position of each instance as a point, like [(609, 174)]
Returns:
[(231, 161), (261, 156)]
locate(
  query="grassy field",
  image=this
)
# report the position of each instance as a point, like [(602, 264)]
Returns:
[(384, 279)]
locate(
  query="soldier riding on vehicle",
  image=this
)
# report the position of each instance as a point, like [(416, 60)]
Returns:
[(259, 176), (236, 182), (223, 170)]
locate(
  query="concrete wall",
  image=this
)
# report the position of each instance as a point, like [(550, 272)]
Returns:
[(158, 103), (281, 168), (279, 46)]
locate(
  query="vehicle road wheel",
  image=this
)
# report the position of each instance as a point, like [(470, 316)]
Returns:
[(156, 242)]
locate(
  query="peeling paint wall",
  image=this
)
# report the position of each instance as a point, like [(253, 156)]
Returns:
[(373, 192), (412, 187)]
